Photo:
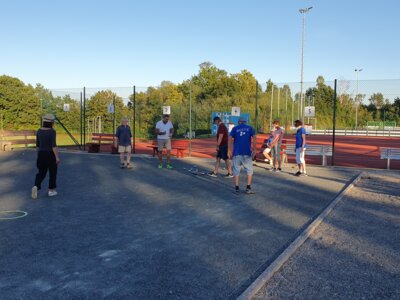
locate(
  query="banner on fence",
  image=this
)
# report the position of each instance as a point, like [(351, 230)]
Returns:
[(228, 119)]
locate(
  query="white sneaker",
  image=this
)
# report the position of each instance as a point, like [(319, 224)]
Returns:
[(52, 193), (34, 192)]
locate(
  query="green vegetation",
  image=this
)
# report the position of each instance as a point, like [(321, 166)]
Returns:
[(211, 89)]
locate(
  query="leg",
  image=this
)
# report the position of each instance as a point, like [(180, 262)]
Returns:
[(303, 161), (278, 155), (168, 156), (229, 165), (121, 151), (168, 146), (236, 171), (128, 154), (217, 164), (42, 166), (160, 150), (248, 166), (52, 173)]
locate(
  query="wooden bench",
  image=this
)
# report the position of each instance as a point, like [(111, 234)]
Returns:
[(179, 145), (389, 153), (317, 150), (99, 139), (10, 139)]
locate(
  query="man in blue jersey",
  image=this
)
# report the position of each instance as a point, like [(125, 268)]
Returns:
[(300, 148), (239, 149)]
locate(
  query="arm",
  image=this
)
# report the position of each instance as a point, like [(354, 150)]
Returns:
[(304, 141), (117, 138), (220, 136), (55, 151), (55, 148), (230, 147), (171, 131), (253, 153)]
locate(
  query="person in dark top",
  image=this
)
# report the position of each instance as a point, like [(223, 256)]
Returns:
[(222, 149), (47, 156), (124, 136)]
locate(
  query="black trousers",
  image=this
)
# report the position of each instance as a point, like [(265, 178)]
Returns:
[(46, 161)]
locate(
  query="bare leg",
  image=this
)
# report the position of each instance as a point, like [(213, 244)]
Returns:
[(121, 157), (249, 179), (160, 156), (128, 158), (168, 156), (217, 164), (236, 181), (229, 166)]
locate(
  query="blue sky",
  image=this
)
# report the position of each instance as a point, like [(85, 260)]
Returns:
[(65, 44)]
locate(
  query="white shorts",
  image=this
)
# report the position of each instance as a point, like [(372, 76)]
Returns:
[(125, 149), (164, 143), (300, 156), (267, 150)]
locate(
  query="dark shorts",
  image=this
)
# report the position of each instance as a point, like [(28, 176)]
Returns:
[(223, 152)]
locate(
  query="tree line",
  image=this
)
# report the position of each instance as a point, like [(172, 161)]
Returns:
[(211, 89)]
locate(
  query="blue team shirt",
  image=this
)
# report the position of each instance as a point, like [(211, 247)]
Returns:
[(242, 139), (299, 137)]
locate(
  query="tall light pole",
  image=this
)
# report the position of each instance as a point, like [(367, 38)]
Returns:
[(357, 72), (303, 11)]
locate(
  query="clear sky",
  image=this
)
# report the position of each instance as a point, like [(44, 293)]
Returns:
[(65, 44)]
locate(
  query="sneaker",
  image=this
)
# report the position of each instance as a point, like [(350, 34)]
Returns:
[(280, 169), (236, 192), (128, 166), (122, 165), (169, 166), (52, 193), (298, 173), (212, 174), (249, 192), (303, 174), (272, 169), (228, 176), (160, 166), (34, 192)]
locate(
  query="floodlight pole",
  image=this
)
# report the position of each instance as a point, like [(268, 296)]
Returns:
[(357, 72), (303, 11), (190, 119), (134, 119)]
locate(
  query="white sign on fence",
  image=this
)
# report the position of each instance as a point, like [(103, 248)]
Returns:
[(66, 106), (309, 111), (166, 110), (235, 111), (111, 108)]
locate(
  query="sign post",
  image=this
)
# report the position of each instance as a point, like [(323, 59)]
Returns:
[(235, 111), (166, 110)]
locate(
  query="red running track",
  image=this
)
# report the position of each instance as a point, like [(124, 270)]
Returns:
[(350, 151)]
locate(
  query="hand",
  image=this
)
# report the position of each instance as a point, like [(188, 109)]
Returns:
[(58, 160), (230, 154)]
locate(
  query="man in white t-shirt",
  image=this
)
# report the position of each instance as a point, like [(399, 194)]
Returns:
[(164, 131)]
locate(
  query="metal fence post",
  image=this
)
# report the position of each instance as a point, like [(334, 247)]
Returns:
[(334, 123)]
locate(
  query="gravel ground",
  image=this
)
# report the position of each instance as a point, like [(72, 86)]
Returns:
[(354, 253)]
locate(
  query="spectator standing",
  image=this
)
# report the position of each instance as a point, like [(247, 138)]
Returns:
[(239, 148), (47, 156), (300, 148), (164, 131), (222, 149), (124, 136), (276, 143)]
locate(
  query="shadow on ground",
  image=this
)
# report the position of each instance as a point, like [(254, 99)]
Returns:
[(148, 233)]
